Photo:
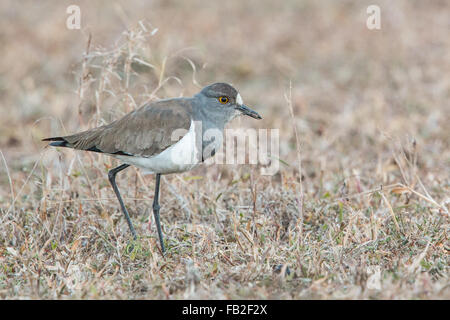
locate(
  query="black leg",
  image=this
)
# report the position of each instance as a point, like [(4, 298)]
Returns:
[(112, 179), (156, 211)]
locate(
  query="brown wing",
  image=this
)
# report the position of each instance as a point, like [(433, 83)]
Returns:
[(143, 132)]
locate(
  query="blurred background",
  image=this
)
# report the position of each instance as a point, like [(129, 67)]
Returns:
[(351, 86), (371, 108)]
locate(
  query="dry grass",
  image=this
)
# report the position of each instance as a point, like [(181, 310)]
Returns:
[(371, 108)]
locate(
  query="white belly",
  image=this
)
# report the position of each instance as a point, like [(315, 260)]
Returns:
[(182, 156)]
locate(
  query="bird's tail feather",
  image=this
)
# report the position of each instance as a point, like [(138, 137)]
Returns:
[(57, 142)]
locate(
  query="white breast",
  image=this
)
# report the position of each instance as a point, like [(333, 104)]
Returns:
[(181, 156)]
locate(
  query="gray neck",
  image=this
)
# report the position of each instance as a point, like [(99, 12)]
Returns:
[(210, 117), (213, 120)]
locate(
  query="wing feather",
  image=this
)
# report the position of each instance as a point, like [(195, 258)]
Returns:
[(144, 132)]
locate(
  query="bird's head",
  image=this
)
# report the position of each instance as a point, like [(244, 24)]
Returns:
[(224, 99)]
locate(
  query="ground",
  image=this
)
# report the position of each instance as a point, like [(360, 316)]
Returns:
[(357, 210)]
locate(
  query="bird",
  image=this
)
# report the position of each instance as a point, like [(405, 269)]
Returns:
[(163, 137)]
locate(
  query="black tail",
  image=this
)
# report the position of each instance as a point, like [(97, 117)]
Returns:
[(62, 142), (58, 142)]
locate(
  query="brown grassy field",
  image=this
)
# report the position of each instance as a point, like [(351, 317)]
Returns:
[(371, 108)]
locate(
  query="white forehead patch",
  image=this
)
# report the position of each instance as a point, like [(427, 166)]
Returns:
[(239, 99)]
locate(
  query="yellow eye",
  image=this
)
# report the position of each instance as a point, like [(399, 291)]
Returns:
[(223, 100)]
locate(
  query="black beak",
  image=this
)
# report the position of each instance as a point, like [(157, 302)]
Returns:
[(247, 111)]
